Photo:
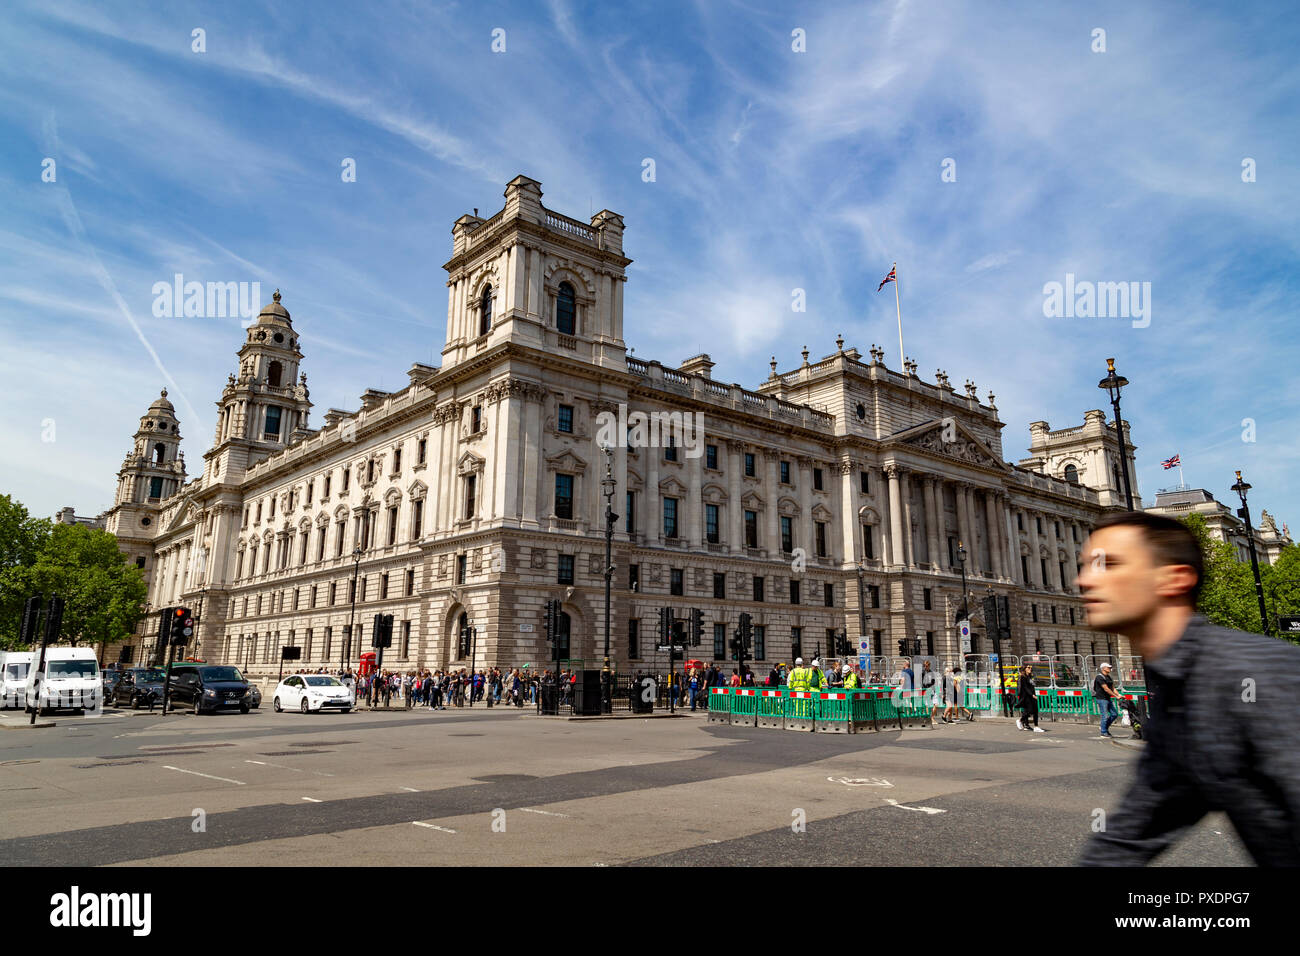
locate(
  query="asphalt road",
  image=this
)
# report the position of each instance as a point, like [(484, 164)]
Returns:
[(500, 787)]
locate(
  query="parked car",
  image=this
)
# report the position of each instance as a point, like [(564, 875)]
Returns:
[(311, 692), (208, 688), (254, 696), (14, 666), (69, 681), (135, 686)]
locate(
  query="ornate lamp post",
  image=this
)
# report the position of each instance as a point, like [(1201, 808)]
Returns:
[(608, 485), (961, 560), (1244, 513), (863, 616), (1112, 384), (345, 647)]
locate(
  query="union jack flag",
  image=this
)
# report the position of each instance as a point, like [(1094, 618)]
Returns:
[(889, 278), (1171, 462)]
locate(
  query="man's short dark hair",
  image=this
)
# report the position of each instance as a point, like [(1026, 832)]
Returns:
[(1171, 541)]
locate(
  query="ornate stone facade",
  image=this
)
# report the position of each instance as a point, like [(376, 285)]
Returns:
[(475, 493)]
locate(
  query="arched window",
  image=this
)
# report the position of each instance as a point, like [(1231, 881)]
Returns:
[(273, 373), (1071, 474), (159, 451), (485, 311), (565, 309)]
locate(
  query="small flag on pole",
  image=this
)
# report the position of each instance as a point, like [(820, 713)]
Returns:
[(889, 278), (1171, 462)]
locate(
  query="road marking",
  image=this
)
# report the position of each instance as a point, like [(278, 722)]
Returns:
[(931, 810), (431, 826), (861, 781), (410, 790), (208, 775), (265, 763), (545, 813), (313, 800)]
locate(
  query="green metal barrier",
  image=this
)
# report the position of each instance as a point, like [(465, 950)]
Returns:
[(744, 706), (979, 698), (913, 709), (800, 710), (833, 714), (1073, 704), (719, 705), (862, 711), (771, 712)]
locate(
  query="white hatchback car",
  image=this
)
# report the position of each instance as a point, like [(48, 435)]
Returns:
[(308, 692)]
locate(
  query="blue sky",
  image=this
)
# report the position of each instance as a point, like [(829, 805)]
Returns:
[(775, 170)]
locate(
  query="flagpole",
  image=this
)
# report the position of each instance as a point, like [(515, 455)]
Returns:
[(902, 357), (1181, 484)]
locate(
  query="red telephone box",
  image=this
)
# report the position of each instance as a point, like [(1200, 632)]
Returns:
[(368, 663)]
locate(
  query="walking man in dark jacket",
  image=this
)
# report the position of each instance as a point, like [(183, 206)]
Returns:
[(1223, 703)]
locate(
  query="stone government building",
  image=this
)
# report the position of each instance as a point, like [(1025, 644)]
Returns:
[(474, 493)]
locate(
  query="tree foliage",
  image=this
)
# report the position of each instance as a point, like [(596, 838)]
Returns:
[(1228, 596), (103, 595)]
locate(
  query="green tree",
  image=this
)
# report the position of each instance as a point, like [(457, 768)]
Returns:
[(1282, 586), (1228, 595), (103, 595), (22, 538)]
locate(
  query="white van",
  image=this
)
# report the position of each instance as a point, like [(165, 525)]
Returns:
[(70, 680), (14, 666)]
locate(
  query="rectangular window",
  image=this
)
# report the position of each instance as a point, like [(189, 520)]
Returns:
[(325, 491), (333, 592), (874, 591), (760, 642), (794, 592), (719, 585), (634, 639), (410, 582), (462, 567), (370, 470), (566, 419), (565, 575), (406, 639), (670, 451), (711, 456), (758, 587), (670, 518), (347, 473), (469, 496), (397, 466), (787, 534), (476, 420), (1038, 523), (676, 581), (392, 525), (361, 591), (313, 596), (421, 450), (1033, 613), (1024, 568), (634, 577), (564, 496), (629, 523), (864, 483), (310, 485), (1053, 613), (749, 464), (929, 643), (1020, 521), (868, 543), (817, 479), (417, 520), (155, 487), (320, 542), (927, 599), (785, 473), (819, 532), (383, 586), (719, 642), (1071, 615), (828, 594), (877, 642), (796, 642), (751, 529), (273, 421), (1042, 565), (711, 523)]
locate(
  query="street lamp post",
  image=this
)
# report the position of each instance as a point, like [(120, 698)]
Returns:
[(608, 485), (345, 647), (961, 560), (1112, 384), (863, 616), (1241, 488)]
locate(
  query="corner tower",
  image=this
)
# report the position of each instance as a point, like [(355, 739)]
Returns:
[(533, 277)]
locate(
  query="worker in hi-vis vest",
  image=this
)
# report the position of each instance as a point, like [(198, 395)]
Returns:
[(798, 679), (816, 680), (850, 680)]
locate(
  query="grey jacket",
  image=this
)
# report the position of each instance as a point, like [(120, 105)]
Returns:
[(1220, 735)]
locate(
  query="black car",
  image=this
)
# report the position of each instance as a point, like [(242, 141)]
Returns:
[(135, 687), (209, 688)]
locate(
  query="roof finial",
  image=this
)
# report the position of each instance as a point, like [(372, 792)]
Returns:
[(773, 364), (276, 297), (839, 342), (164, 393)]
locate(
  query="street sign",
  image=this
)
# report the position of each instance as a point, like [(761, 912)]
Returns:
[(993, 658), (863, 645), (862, 663), (1288, 625), (525, 629), (675, 648), (963, 628)]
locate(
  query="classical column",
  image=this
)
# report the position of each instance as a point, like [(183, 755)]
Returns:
[(532, 465), (896, 552), (771, 492), (1035, 567), (963, 525), (694, 504), (933, 516), (1013, 541), (654, 514), (997, 550), (735, 509), (905, 495), (851, 551), (805, 507), (1053, 559)]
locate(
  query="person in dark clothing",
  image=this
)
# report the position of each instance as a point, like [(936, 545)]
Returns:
[(1223, 703), (1027, 701)]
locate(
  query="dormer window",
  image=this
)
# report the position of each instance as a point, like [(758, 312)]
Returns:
[(566, 309), (485, 311)]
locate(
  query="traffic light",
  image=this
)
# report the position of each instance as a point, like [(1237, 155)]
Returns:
[(182, 625), (697, 626), (53, 619), (31, 620), (382, 634), (552, 621), (665, 625), (1004, 617), (844, 648)]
